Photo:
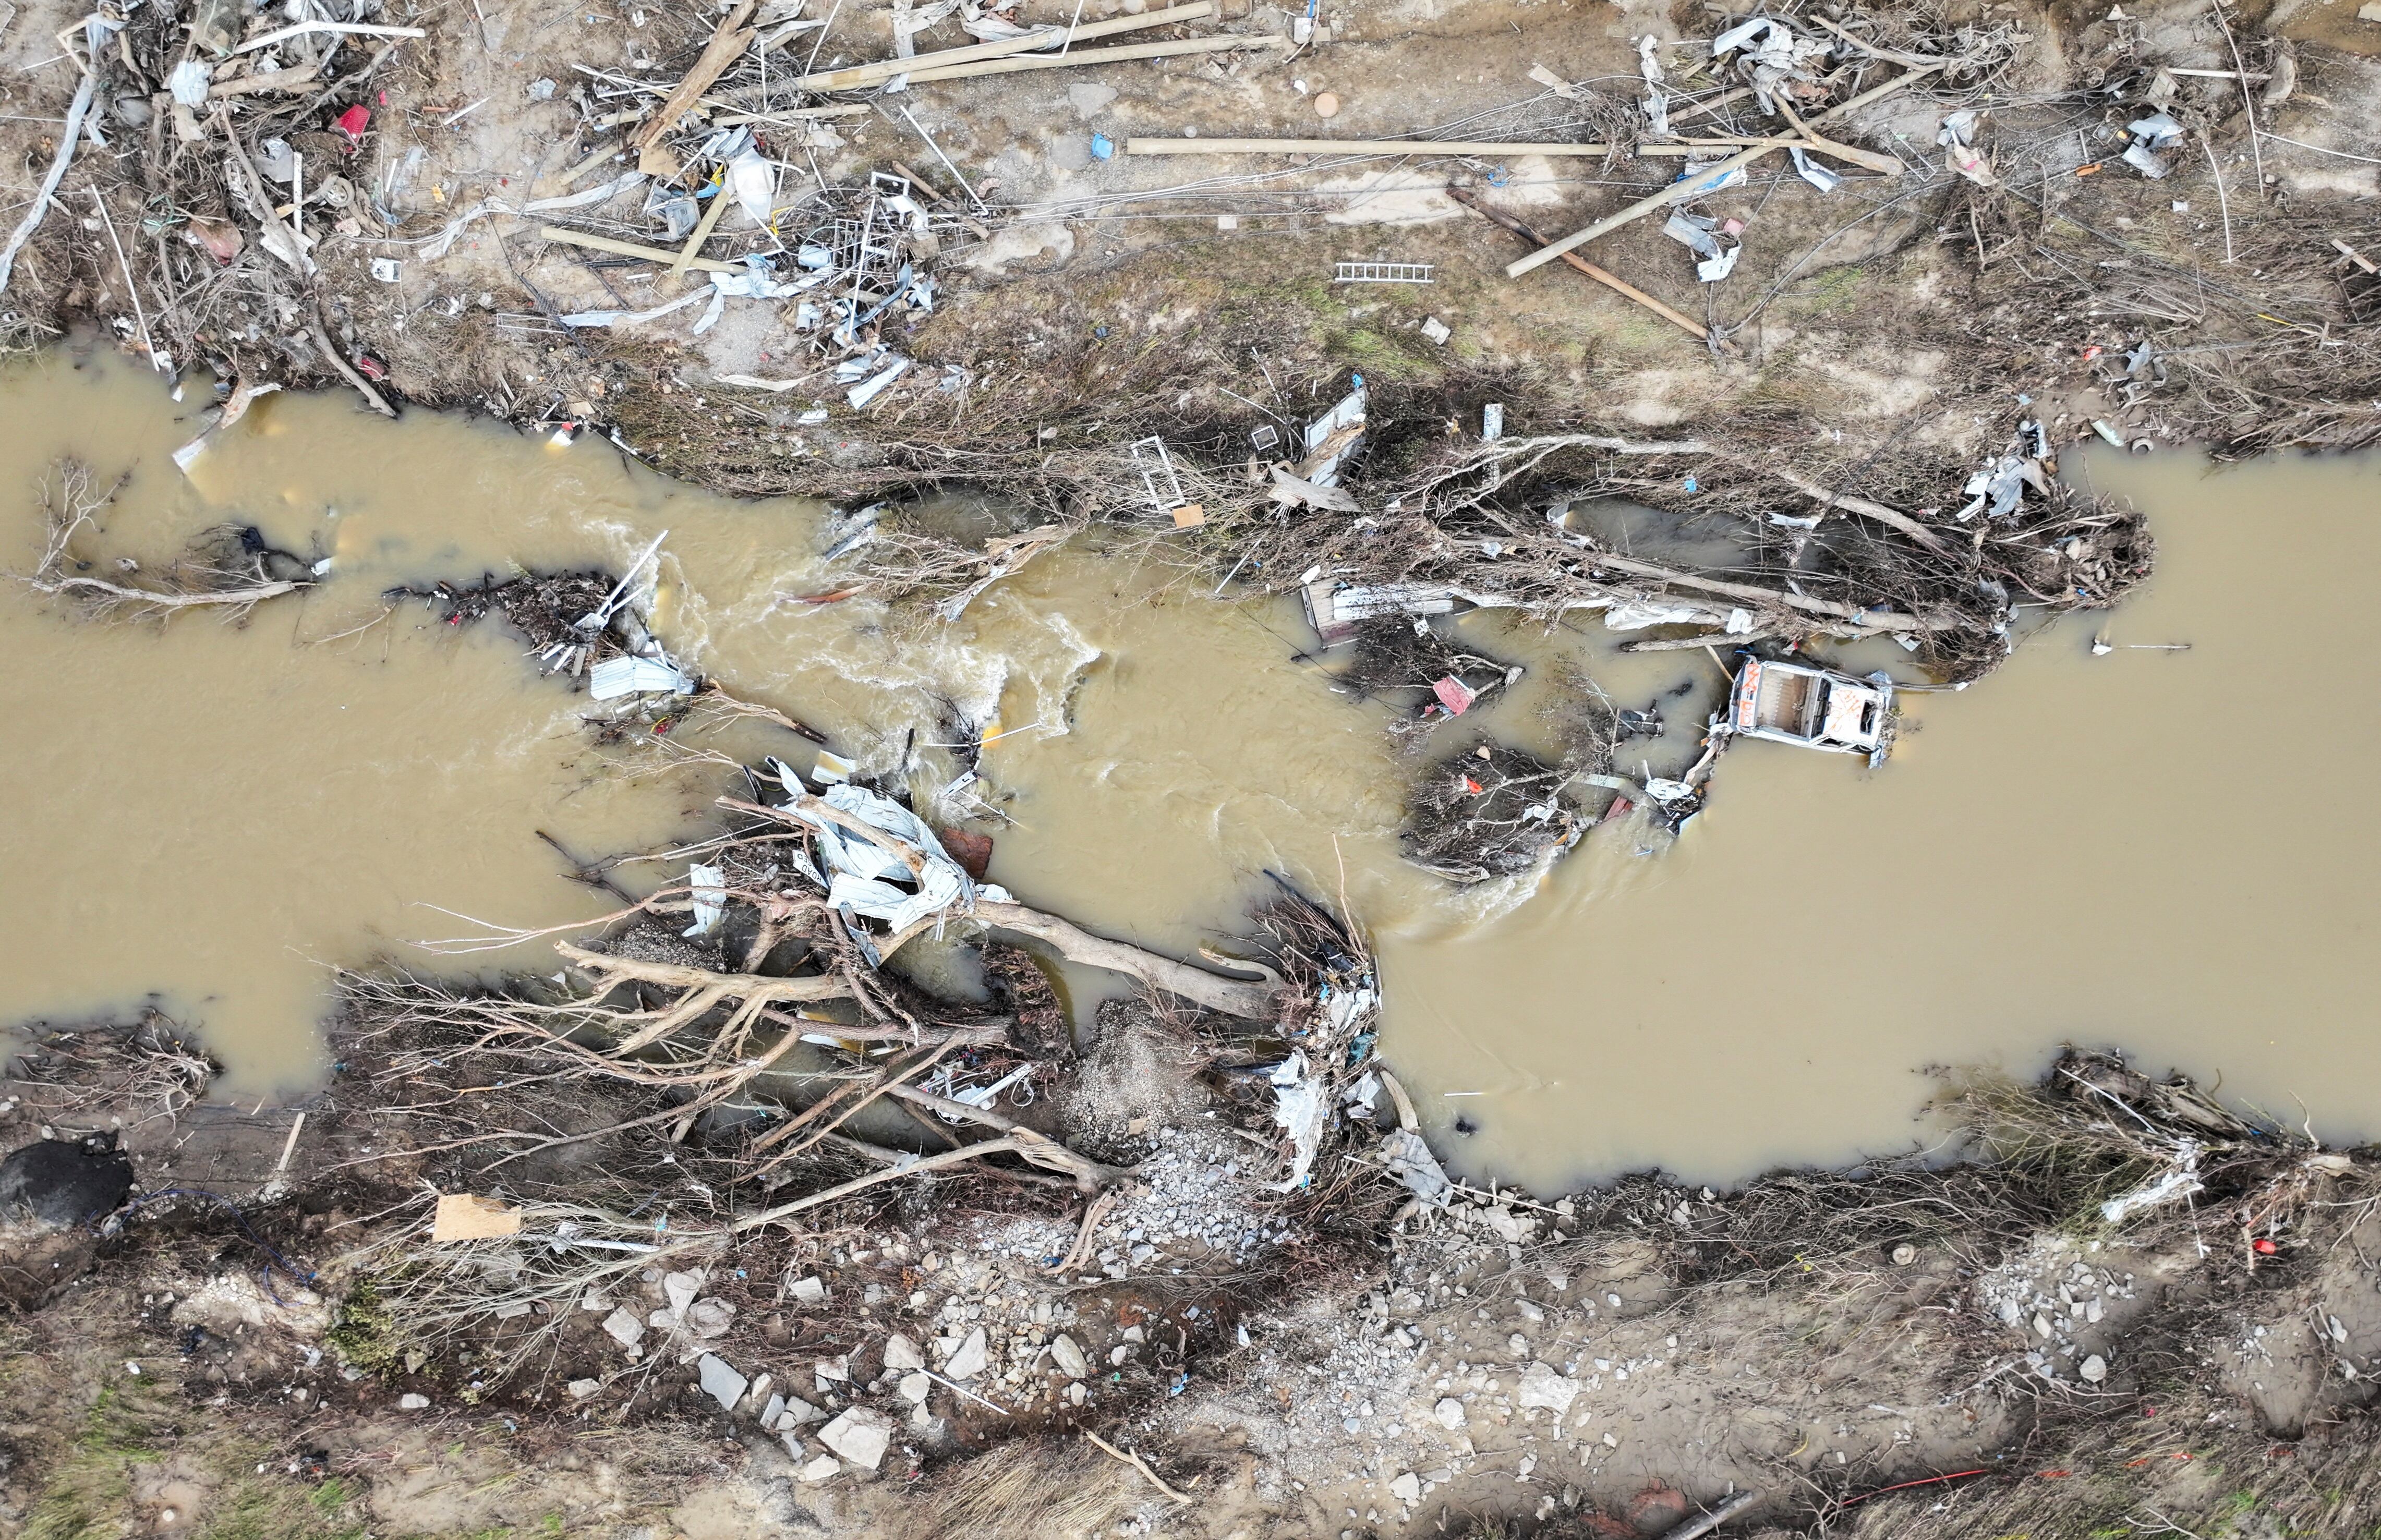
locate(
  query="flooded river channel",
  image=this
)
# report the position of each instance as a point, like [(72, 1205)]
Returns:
[(2086, 846)]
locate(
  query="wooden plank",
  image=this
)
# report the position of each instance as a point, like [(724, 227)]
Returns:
[(731, 39), (1669, 195), (858, 76), (1354, 147), (629, 248), (1095, 55)]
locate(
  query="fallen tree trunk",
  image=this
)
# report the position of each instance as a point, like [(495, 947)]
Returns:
[(1252, 1001)]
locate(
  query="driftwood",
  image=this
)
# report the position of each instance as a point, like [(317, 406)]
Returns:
[(1862, 505), (703, 989), (166, 601), (68, 139), (1048, 1154), (1232, 996)]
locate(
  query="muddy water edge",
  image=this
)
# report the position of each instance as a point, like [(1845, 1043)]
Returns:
[(2078, 847)]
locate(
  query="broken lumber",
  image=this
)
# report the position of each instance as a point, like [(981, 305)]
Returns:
[(1223, 44), (1679, 192), (1627, 290), (730, 39), (859, 75), (1352, 147), (627, 249)]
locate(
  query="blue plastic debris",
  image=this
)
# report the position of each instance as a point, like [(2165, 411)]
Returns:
[(1102, 148), (1691, 487)]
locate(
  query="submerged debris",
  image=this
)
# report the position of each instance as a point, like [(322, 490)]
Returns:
[(1492, 811)]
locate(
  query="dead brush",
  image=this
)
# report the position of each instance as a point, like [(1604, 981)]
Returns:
[(506, 1300), (138, 1074), (1489, 811), (1033, 1489), (222, 570)]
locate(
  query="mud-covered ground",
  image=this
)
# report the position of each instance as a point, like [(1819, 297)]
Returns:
[(1898, 1349)]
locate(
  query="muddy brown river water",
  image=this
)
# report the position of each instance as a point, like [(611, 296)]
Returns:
[(2121, 849)]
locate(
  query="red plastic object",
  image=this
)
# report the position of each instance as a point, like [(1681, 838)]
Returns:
[(2264, 1247), (371, 367), (352, 121)]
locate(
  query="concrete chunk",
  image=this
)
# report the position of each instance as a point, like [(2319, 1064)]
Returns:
[(720, 1382), (1543, 1385), (970, 1358), (860, 1435)]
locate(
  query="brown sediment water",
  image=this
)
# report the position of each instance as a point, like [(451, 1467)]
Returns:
[(2120, 850), (2106, 849)]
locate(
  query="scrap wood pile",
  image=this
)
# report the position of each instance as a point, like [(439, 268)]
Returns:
[(740, 1067)]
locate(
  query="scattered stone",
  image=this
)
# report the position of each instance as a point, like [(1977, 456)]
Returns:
[(773, 1409), (824, 1468), (902, 1355), (1545, 1387), (1449, 1412), (1407, 1488), (1068, 1357), (833, 1370), (860, 1435), (412, 1401), (916, 1387), (970, 1358), (1087, 99), (799, 1413), (511, 1310), (809, 1290), (582, 1388), (2095, 1369), (708, 1318), (625, 1329), (1502, 1220), (720, 1382), (680, 1289)]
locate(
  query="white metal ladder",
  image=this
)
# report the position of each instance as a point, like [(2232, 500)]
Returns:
[(1384, 272)]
